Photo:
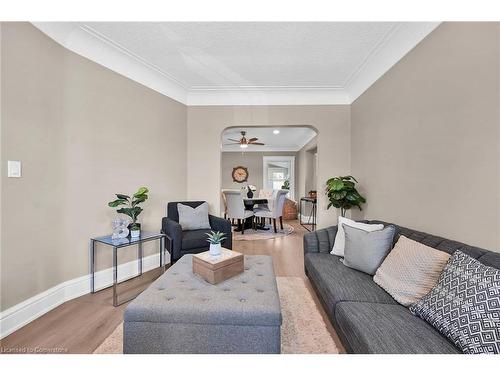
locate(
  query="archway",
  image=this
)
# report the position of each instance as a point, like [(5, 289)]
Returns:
[(288, 158)]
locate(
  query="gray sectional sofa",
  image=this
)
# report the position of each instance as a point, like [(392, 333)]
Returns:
[(366, 318)]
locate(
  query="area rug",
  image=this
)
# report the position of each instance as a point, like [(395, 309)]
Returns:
[(303, 330), (253, 235)]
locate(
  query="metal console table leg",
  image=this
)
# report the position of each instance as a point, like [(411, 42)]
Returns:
[(117, 245), (115, 276), (140, 257), (92, 266)]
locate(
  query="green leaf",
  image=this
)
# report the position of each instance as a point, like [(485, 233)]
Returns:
[(349, 178), (117, 202), (140, 199), (137, 210), (341, 192), (330, 180), (339, 195), (126, 211), (337, 185), (349, 184), (352, 197), (142, 190), (122, 196)]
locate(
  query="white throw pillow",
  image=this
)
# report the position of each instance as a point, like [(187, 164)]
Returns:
[(339, 245), (193, 218)]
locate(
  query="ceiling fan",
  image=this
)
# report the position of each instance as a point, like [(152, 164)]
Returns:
[(243, 142)]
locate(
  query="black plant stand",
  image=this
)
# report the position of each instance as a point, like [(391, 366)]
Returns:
[(311, 218)]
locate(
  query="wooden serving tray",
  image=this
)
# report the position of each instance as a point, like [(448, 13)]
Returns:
[(215, 270)]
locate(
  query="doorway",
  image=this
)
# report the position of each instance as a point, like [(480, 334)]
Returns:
[(279, 173)]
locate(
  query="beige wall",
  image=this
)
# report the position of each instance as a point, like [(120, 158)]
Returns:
[(206, 123), (425, 143), (82, 133), (307, 168), (425, 137), (307, 179), (253, 161)]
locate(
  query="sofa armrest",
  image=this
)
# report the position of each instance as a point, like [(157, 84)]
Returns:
[(174, 231), (222, 225), (320, 241)]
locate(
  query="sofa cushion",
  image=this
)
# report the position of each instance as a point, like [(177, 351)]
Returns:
[(387, 329), (192, 239), (336, 282), (491, 259)]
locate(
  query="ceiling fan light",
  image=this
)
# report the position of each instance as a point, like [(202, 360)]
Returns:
[(276, 131), (243, 145)]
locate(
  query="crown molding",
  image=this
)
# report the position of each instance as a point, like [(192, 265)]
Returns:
[(88, 43), (396, 44), (306, 140), (267, 96)]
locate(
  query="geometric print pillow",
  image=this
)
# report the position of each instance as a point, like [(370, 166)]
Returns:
[(465, 305)]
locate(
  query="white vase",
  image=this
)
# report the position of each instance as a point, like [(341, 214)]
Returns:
[(215, 249), (135, 233)]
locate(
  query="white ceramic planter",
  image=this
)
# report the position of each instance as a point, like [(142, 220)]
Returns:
[(215, 249), (135, 233)]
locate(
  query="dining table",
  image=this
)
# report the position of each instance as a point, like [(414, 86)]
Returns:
[(249, 205)]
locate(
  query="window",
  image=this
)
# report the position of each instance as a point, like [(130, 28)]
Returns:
[(278, 170)]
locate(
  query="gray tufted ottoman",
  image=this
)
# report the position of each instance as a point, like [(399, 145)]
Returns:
[(182, 313)]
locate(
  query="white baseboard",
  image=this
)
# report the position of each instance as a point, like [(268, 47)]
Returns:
[(25, 312)]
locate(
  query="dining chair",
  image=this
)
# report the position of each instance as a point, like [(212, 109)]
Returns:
[(236, 207), (265, 194), (275, 209), (225, 205)]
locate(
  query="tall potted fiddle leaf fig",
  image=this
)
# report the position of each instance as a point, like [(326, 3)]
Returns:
[(342, 193)]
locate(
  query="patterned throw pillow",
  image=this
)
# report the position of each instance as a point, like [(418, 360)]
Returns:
[(465, 305)]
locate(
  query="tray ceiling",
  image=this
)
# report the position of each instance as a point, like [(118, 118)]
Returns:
[(289, 138), (210, 63)]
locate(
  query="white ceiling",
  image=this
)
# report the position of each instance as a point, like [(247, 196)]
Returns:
[(201, 63), (289, 138), (211, 55)]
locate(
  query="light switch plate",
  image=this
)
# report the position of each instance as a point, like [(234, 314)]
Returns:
[(13, 168)]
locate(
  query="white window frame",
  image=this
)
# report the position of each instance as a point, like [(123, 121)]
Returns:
[(267, 159)]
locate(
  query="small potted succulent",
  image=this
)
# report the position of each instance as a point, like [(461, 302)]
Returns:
[(215, 239)]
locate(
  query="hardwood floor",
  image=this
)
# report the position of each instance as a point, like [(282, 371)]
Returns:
[(82, 324)]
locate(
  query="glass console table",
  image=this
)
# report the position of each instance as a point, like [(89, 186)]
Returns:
[(118, 244)]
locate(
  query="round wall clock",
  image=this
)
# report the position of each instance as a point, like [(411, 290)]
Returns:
[(240, 174)]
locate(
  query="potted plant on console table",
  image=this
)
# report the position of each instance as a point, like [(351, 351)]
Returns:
[(342, 193), (132, 210)]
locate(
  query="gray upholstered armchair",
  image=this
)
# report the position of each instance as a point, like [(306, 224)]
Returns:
[(179, 242)]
